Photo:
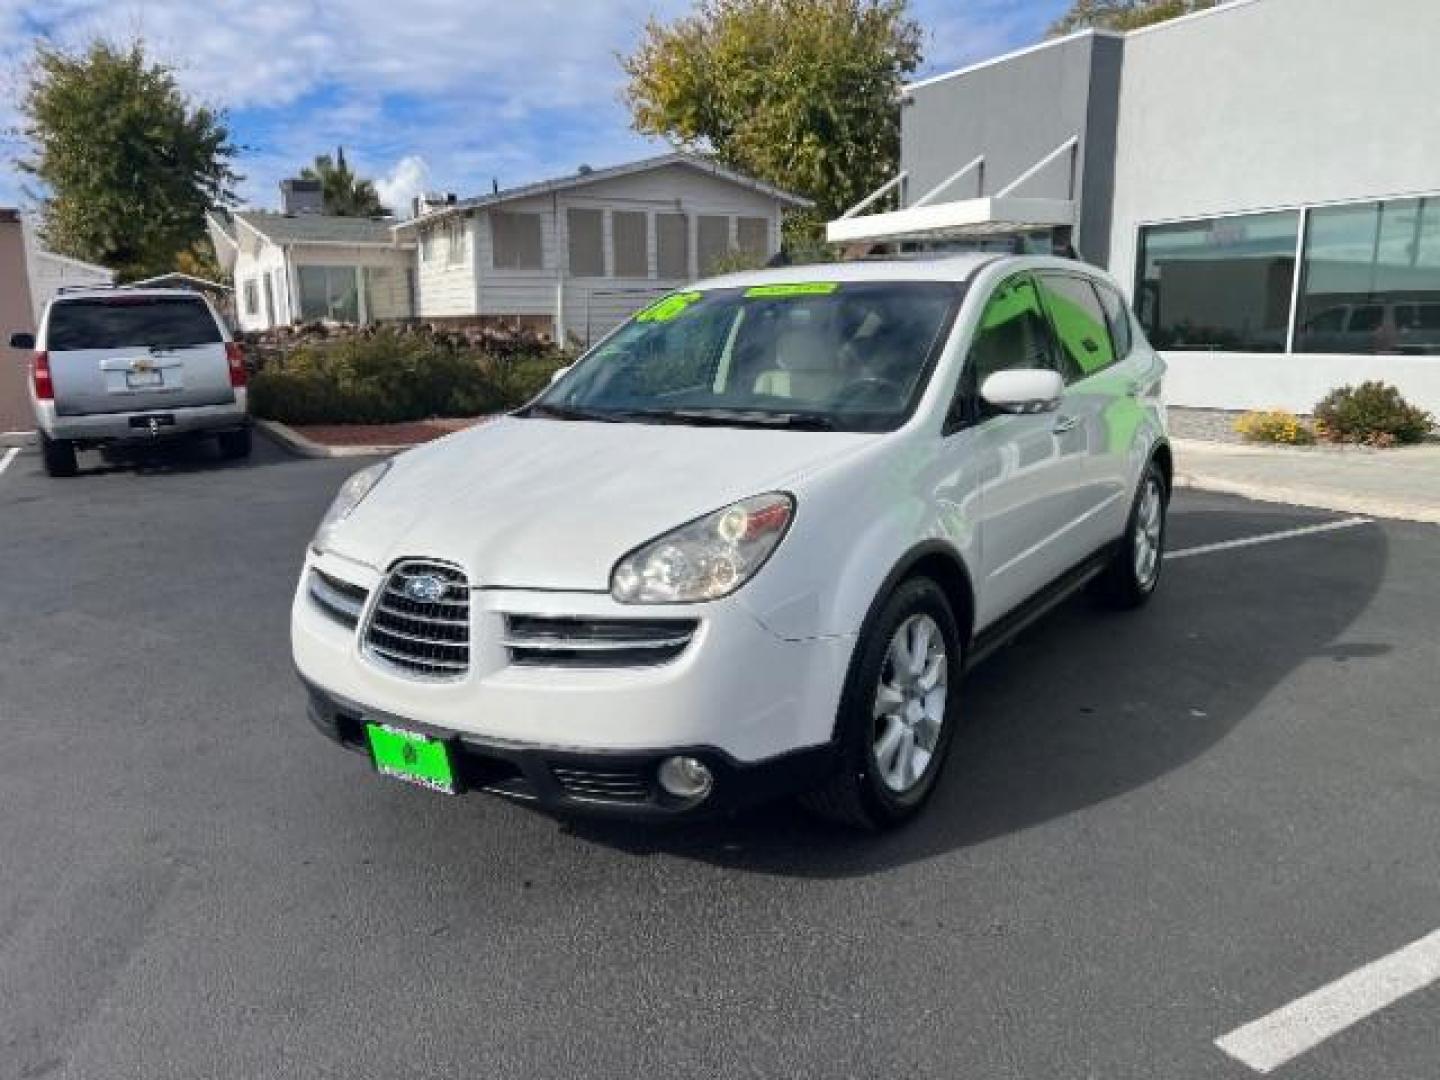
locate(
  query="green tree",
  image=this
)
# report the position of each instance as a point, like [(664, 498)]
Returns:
[(1123, 14), (346, 195), (800, 93), (128, 164)]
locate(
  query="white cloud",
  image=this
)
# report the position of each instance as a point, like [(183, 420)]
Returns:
[(409, 178), (469, 89)]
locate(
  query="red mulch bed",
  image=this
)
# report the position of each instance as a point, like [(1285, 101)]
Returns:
[(407, 434)]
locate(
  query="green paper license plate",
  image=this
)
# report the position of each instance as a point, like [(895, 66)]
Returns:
[(412, 757)]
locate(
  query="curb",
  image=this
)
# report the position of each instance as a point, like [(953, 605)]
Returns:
[(298, 444), (1319, 500), (16, 438)]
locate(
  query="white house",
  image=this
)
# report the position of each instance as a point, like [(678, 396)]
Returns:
[(292, 267), (576, 255)]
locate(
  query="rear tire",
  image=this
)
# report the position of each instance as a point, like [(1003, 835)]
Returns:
[(58, 455), (898, 713), (234, 444), (1129, 580)]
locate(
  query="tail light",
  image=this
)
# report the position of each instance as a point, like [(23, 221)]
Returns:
[(235, 357), (40, 373)]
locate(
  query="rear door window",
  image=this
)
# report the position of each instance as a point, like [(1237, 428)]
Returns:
[(1117, 313), (163, 322), (1080, 325)]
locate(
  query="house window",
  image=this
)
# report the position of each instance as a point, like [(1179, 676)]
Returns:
[(1222, 284), (427, 245), (632, 243), (1370, 280), (753, 235), (587, 242), (515, 241), (672, 246), (329, 292), (251, 290), (713, 242), (454, 241)]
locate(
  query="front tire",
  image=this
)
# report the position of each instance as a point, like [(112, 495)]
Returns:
[(898, 713), (58, 455), (1130, 579)]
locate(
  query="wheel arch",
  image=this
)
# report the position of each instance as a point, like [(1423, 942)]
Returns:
[(1164, 456)]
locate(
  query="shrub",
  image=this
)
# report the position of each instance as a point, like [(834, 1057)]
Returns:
[(391, 376), (1274, 426), (1372, 413)]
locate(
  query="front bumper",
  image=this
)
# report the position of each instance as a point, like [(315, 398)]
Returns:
[(758, 709), (620, 784)]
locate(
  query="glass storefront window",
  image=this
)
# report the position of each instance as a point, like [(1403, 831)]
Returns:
[(1222, 284), (1371, 279)]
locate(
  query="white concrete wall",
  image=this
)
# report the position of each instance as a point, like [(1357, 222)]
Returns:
[(1270, 104)]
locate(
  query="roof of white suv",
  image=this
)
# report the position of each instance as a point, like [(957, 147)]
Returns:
[(938, 267)]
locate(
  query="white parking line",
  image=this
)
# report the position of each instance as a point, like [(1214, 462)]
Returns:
[(1271, 1041), (9, 456), (1266, 538)]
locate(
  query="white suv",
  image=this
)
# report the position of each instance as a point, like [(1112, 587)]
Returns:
[(748, 544)]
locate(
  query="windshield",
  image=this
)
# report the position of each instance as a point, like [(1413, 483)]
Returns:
[(161, 322), (843, 356)]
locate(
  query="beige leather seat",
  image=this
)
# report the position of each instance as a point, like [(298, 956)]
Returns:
[(805, 369)]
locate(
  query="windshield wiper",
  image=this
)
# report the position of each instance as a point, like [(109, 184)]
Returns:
[(747, 418), (567, 412)]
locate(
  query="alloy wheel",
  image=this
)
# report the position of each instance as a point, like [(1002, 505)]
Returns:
[(910, 702)]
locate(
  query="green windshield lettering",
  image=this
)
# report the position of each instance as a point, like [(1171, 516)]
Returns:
[(811, 288), (669, 307)]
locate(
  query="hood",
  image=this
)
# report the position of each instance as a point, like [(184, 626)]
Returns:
[(554, 504)]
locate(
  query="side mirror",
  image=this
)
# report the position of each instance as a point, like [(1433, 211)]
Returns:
[(1024, 390), (559, 373), (21, 340)]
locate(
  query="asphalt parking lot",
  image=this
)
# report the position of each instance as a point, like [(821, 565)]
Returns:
[(1157, 828)]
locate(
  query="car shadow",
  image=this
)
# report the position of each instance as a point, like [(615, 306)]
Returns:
[(1085, 706), (179, 456)]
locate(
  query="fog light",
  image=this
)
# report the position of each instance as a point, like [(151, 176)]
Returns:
[(685, 778)]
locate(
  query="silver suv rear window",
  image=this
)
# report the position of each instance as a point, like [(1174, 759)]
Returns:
[(166, 322)]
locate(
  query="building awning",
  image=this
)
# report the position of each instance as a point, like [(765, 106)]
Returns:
[(962, 219)]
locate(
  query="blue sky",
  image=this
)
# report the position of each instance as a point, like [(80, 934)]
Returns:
[(432, 94)]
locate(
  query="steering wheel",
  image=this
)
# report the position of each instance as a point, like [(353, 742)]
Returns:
[(865, 388)]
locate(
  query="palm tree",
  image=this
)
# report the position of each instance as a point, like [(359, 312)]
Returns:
[(346, 195)]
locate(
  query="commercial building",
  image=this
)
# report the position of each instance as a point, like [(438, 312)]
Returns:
[(1262, 177)]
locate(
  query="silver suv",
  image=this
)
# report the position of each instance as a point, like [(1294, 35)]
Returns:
[(120, 365)]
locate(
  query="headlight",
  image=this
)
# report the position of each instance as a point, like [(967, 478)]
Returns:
[(352, 494), (706, 559)]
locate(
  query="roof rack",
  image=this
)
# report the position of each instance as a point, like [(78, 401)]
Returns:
[(91, 288)]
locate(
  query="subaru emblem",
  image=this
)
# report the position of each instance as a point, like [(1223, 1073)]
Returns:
[(425, 589)]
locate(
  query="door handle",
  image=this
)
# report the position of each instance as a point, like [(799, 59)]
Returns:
[(1064, 424)]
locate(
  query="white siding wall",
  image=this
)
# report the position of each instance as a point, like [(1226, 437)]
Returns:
[(594, 306), (446, 290), (257, 259), (49, 273)]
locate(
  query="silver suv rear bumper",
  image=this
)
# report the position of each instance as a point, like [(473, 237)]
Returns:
[(104, 427)]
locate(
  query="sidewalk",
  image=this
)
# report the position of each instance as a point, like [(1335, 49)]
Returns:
[(1401, 483)]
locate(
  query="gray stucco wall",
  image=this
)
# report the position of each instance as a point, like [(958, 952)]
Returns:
[(1275, 103), (1016, 111)]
